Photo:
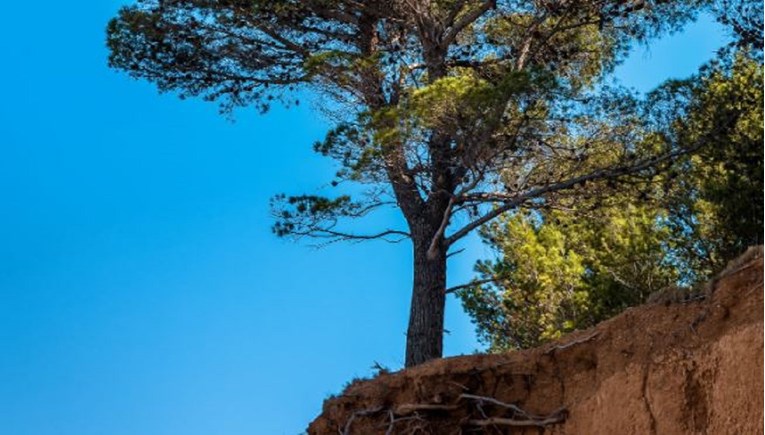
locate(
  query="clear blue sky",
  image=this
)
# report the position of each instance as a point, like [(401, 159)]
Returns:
[(141, 290)]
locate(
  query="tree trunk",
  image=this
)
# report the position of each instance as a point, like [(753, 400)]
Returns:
[(425, 335)]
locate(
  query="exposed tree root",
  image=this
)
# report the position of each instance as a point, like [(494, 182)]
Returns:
[(414, 413), (527, 419), (410, 408), (556, 417), (360, 413)]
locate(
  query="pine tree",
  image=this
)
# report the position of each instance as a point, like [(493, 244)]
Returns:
[(449, 110)]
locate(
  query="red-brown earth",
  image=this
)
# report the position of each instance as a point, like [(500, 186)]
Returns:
[(679, 368)]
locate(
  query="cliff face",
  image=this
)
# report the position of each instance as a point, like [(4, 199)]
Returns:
[(683, 368)]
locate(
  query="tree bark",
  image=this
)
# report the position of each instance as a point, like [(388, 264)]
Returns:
[(425, 335)]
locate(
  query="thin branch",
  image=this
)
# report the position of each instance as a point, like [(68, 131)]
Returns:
[(320, 233), (288, 44), (470, 284), (457, 252)]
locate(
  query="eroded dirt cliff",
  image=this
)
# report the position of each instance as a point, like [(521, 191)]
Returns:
[(680, 368)]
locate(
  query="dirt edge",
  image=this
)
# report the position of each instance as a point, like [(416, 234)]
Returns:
[(679, 368)]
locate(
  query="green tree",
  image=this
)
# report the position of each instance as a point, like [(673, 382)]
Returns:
[(437, 102), (715, 204), (559, 270), (567, 268)]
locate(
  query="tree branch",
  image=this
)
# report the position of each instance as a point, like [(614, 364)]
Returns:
[(470, 284), (433, 248), (320, 233), (509, 203), (466, 20)]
